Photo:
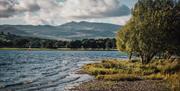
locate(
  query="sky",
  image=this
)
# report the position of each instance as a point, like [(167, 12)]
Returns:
[(57, 12)]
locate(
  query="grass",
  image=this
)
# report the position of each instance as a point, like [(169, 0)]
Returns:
[(123, 70), (174, 81)]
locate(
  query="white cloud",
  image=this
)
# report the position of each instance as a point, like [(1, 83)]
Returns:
[(120, 20), (35, 20), (114, 20), (51, 11), (93, 8)]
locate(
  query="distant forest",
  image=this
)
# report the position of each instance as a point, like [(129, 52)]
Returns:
[(9, 40)]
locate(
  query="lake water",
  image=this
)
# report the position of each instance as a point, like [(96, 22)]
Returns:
[(46, 70)]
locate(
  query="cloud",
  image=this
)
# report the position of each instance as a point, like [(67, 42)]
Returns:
[(113, 20), (27, 6), (35, 20), (49, 11), (10, 8), (6, 9), (93, 8)]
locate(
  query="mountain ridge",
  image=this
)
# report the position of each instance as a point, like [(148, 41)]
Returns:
[(68, 31)]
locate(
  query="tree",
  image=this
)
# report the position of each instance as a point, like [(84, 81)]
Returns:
[(127, 40), (174, 41), (75, 44), (2, 33), (150, 29)]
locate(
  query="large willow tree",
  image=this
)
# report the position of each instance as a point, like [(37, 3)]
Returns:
[(153, 29)]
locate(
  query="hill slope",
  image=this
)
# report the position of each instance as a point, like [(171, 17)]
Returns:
[(71, 30)]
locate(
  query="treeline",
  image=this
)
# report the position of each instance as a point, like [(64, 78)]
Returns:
[(153, 30), (14, 41)]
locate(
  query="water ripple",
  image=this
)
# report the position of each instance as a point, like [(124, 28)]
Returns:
[(45, 70)]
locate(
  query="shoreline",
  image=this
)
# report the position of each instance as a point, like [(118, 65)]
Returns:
[(58, 49), (103, 85), (141, 85), (150, 82), (83, 78)]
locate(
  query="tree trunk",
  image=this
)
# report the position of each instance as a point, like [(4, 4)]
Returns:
[(130, 56), (146, 58)]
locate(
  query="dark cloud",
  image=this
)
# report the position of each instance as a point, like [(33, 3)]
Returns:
[(9, 8), (6, 8), (120, 11)]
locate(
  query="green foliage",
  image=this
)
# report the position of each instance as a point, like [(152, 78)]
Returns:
[(14, 41), (153, 29)]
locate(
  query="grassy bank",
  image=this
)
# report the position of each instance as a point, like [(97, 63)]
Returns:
[(122, 75), (58, 49)]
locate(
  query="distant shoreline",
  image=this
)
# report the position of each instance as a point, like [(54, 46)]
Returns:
[(58, 49)]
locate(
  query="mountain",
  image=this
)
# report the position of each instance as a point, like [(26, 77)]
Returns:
[(68, 31)]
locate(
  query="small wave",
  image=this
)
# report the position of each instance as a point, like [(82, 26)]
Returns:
[(57, 67), (36, 68), (35, 84), (55, 72), (5, 64), (14, 84), (42, 70), (51, 84)]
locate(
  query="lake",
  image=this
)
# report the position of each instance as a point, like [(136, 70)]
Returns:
[(46, 70)]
